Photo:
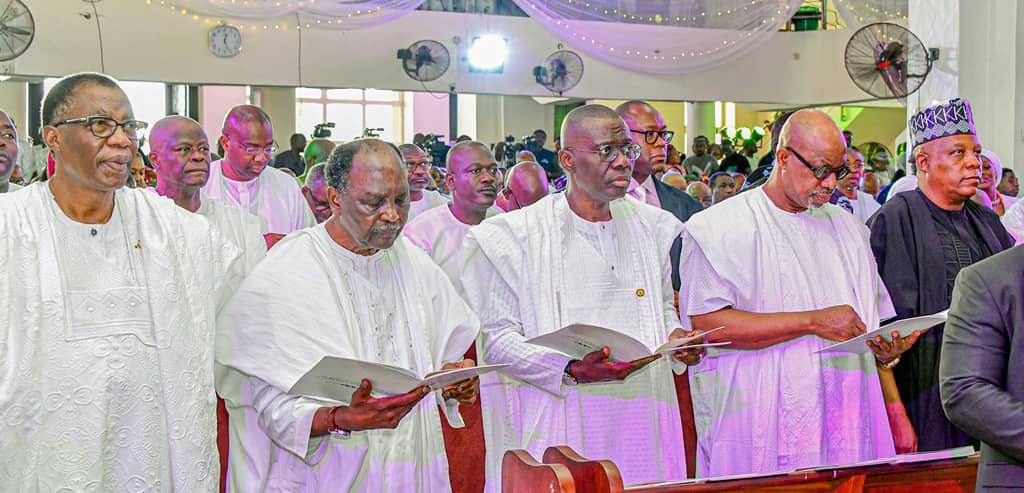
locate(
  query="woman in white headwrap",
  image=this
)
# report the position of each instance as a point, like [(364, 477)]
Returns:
[(991, 175)]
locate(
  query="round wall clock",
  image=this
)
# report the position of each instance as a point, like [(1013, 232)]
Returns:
[(225, 41)]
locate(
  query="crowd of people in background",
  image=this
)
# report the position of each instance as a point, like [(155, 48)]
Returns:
[(140, 320)]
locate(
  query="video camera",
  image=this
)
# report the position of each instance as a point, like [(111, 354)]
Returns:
[(436, 148), (320, 130)]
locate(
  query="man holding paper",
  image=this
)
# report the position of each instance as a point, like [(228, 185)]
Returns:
[(353, 288), (612, 269), (921, 239), (768, 402)]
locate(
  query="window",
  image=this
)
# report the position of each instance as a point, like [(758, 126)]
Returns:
[(352, 111), (148, 99)]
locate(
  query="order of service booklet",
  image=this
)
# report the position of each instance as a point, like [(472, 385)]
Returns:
[(905, 327), (578, 340), (336, 378)]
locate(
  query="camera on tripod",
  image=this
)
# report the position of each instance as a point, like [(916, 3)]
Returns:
[(436, 148), (320, 130)]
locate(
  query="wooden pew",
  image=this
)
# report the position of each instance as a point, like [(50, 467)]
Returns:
[(521, 473), (591, 476), (945, 476)]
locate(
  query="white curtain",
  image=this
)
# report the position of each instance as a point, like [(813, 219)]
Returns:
[(663, 36)]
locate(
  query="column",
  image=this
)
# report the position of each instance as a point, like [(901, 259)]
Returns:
[(700, 120)]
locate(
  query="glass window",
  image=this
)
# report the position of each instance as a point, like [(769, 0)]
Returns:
[(350, 94), (379, 95), (348, 120), (148, 99), (352, 111)]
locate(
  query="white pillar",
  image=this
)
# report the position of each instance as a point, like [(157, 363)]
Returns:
[(700, 120), (14, 102)]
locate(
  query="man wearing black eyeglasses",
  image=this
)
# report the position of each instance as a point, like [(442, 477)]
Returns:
[(417, 167), (789, 276), (922, 239), (110, 296), (243, 178), (648, 129), (587, 256)]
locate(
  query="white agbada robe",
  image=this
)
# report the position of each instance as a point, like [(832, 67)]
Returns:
[(14, 187), (274, 196), (1013, 221), (310, 298), (904, 184), (783, 407), (439, 233), (532, 271), (430, 199), (106, 374), (243, 229)]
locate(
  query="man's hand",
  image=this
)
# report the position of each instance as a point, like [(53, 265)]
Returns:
[(688, 356), (902, 431), (837, 323), (465, 391), (272, 239), (885, 351), (595, 367), (368, 413)]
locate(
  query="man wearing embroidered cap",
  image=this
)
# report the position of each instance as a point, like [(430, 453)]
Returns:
[(922, 239)]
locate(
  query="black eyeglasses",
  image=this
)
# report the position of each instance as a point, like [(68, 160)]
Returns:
[(103, 126), (609, 152), (821, 172), (651, 136)]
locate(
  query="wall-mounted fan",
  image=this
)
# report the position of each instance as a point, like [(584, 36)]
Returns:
[(17, 29), (425, 60), (887, 60), (561, 71)]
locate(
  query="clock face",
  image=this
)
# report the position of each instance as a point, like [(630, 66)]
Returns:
[(225, 41)]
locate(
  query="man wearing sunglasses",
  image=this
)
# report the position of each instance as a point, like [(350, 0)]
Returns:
[(107, 353), (648, 129), (242, 178), (812, 283), (587, 256), (848, 194), (922, 239)]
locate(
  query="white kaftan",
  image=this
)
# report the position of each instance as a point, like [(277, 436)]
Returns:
[(783, 407), (311, 298), (430, 199), (274, 196), (439, 233), (1013, 221), (240, 227), (106, 364), (532, 271)]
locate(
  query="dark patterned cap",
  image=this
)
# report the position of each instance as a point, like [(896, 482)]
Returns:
[(942, 120)]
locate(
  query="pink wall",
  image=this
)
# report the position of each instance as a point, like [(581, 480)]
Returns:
[(216, 101), (429, 113)]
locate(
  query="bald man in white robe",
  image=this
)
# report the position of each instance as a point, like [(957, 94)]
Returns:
[(589, 256), (768, 402)]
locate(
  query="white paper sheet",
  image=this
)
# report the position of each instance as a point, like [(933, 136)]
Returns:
[(905, 327), (577, 340), (953, 453), (336, 378)]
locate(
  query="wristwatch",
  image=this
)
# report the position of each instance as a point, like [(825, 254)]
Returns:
[(333, 429), (567, 377)]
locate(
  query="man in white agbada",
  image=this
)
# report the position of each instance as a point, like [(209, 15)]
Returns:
[(473, 178), (315, 190), (351, 287), (180, 154), (591, 256), (417, 165), (851, 198), (768, 402), (106, 365), (8, 153), (242, 178)]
